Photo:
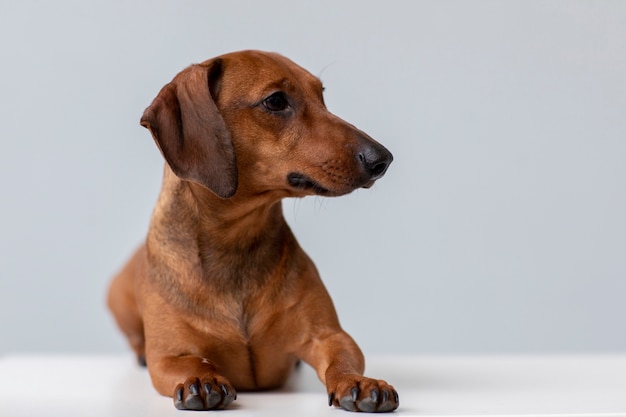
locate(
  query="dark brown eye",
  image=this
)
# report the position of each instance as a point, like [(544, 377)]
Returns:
[(276, 102)]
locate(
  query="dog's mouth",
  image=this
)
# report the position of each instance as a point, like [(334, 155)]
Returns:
[(305, 183)]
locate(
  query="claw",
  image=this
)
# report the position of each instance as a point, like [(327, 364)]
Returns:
[(179, 396), (354, 392), (213, 398), (385, 404), (347, 404), (374, 395), (369, 404), (194, 401), (229, 397)]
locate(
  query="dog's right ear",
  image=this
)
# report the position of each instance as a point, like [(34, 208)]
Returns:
[(190, 131)]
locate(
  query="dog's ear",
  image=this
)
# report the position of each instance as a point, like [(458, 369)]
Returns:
[(190, 131)]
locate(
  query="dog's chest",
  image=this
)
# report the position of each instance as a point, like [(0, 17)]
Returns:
[(253, 341)]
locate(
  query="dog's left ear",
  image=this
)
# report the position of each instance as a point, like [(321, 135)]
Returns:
[(190, 131)]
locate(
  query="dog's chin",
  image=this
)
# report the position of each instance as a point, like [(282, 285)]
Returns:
[(306, 184)]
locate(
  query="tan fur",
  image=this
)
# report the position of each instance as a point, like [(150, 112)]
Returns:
[(221, 296)]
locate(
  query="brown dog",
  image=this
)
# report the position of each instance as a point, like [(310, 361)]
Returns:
[(221, 296)]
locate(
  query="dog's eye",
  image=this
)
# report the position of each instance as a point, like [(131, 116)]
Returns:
[(276, 102)]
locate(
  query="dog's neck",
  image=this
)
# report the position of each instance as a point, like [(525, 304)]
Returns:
[(233, 245), (232, 224), (240, 221)]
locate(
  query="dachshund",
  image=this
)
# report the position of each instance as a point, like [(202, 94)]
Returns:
[(221, 297)]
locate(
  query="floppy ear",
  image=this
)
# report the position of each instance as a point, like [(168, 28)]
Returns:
[(190, 131)]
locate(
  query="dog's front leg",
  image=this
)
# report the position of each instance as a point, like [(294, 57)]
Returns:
[(194, 383), (339, 363)]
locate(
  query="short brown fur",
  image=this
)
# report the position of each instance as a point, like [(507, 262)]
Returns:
[(221, 296)]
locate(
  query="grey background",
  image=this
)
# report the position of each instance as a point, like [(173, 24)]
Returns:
[(500, 227)]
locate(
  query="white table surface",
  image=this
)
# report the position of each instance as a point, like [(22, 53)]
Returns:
[(584, 385)]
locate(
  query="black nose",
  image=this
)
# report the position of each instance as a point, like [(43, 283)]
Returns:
[(375, 159)]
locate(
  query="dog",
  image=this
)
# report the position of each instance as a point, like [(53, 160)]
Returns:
[(221, 297)]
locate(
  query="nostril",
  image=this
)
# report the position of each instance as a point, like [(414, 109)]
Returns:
[(378, 169), (374, 163)]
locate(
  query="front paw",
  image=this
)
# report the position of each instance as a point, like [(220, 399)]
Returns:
[(208, 393), (358, 393)]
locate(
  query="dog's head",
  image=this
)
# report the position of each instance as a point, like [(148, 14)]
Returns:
[(252, 122)]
